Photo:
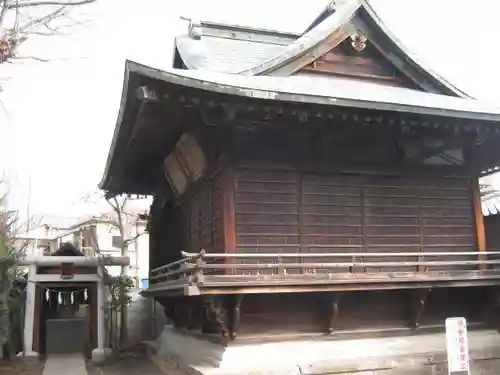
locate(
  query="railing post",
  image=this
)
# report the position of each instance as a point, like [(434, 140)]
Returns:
[(483, 256), (419, 267), (281, 267), (199, 278)]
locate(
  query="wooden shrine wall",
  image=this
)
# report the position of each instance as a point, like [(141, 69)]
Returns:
[(297, 212), (294, 193), (202, 216), (283, 189)]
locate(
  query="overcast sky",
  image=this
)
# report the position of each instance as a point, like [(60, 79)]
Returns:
[(58, 117)]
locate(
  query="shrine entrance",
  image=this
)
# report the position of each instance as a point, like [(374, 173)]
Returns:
[(67, 318), (65, 300)]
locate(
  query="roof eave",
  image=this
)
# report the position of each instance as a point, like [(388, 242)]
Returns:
[(208, 84), (105, 181), (277, 95)]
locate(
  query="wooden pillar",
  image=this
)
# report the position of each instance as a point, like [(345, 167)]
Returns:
[(229, 212), (472, 163), (479, 220), (91, 319)]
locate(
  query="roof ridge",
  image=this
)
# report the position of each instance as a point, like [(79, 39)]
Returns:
[(332, 30), (197, 28), (327, 11)]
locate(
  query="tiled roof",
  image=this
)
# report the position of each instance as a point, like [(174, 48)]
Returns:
[(237, 49)]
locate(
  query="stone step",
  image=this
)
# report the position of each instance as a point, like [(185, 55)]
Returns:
[(65, 364)]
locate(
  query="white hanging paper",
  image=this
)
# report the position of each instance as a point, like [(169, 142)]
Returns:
[(72, 298), (47, 295), (85, 295), (59, 298)]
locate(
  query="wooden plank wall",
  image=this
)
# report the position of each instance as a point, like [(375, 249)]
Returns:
[(202, 212), (368, 65), (297, 212)]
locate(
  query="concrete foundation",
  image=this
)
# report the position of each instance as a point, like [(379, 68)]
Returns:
[(414, 355), (100, 356)]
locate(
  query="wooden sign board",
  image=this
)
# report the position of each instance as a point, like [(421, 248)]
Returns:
[(67, 271), (457, 346)]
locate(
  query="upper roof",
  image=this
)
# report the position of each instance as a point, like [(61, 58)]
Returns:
[(241, 50)]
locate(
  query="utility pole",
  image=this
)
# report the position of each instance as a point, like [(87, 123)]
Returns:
[(28, 207), (136, 248)]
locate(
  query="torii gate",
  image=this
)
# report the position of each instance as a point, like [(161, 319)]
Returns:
[(58, 270)]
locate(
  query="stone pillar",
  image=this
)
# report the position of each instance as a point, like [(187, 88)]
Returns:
[(100, 354), (29, 312)]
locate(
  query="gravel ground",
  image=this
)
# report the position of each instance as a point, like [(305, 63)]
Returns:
[(132, 362), (19, 366), (125, 367)]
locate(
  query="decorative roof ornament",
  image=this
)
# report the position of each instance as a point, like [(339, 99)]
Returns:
[(358, 41), (195, 29)]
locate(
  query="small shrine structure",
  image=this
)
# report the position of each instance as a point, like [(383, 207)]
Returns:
[(65, 300)]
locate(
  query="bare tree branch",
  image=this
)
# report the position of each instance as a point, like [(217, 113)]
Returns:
[(47, 3), (135, 238), (118, 208), (3, 13), (29, 58), (17, 32), (43, 20)]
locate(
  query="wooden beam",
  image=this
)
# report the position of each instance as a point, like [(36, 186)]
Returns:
[(57, 278), (268, 289), (374, 72), (77, 261)]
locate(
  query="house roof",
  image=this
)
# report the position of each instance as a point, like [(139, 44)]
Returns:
[(54, 221), (235, 49)]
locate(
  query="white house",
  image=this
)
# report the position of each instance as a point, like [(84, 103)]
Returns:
[(95, 233)]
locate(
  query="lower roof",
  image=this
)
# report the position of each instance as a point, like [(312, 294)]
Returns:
[(335, 92)]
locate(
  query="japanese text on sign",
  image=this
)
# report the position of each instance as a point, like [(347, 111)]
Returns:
[(457, 346)]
